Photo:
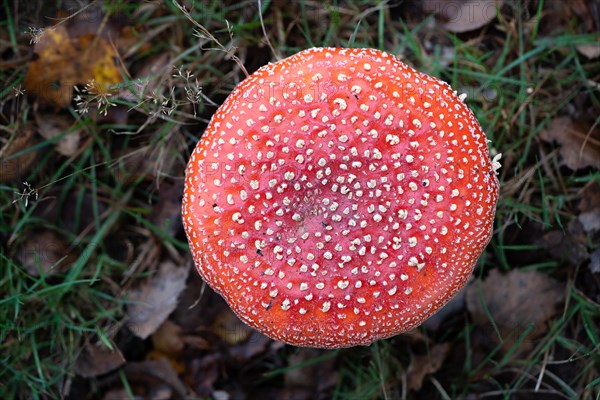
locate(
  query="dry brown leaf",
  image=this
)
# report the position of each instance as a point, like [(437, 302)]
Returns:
[(175, 362), (145, 256), (515, 300), (64, 61), (464, 15), (45, 252), (168, 338), (52, 125), (151, 303), (94, 361), (588, 14), (510, 311), (579, 147), (168, 342), (16, 168), (589, 208), (589, 50), (568, 245), (427, 364)]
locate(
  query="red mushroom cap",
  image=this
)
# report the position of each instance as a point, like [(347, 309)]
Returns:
[(339, 197)]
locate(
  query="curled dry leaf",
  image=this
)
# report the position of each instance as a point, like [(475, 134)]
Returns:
[(95, 360), (53, 125), (579, 145), (587, 11), (464, 15), (589, 50), (151, 303), (510, 312), (568, 245), (63, 61), (515, 300), (168, 338), (426, 364), (169, 342)]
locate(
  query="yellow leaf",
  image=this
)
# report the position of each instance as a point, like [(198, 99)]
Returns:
[(64, 61)]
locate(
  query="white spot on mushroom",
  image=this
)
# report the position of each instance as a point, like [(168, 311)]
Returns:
[(341, 103), (343, 284)]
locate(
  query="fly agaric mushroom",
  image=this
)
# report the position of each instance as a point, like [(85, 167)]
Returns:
[(338, 197)]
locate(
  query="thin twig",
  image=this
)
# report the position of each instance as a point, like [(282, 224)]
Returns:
[(262, 24), (202, 29)]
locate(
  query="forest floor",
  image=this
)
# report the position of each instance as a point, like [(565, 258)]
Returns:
[(101, 104)]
